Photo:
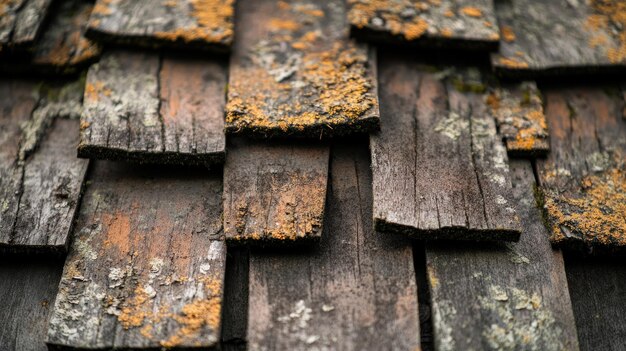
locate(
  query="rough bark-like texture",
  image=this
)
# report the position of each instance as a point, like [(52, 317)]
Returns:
[(27, 292), (598, 289), (40, 176), (186, 24), (146, 267), (583, 180), (440, 171), (21, 21), (274, 193), (294, 72), (356, 291), (505, 296), (449, 23), (144, 108), (551, 37)]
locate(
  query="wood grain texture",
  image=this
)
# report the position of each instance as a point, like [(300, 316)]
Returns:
[(294, 72), (21, 22), (448, 23), (356, 291), (187, 24), (588, 36), (146, 267), (598, 288), (503, 296), (274, 193), (27, 292), (583, 180), (40, 177), (145, 108), (440, 171), (235, 315)]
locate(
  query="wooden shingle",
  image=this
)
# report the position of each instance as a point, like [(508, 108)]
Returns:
[(21, 22)]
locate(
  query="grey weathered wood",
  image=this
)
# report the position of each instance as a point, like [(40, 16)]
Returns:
[(146, 267), (294, 72), (27, 292), (448, 23), (598, 288), (40, 177), (197, 24), (145, 108), (440, 171), (356, 291), (559, 36), (503, 296), (274, 193), (21, 22), (583, 180)]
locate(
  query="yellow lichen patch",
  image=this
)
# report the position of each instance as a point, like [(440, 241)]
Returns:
[(507, 34), (415, 30), (511, 62), (94, 89), (609, 17), (214, 23), (471, 11), (134, 312)]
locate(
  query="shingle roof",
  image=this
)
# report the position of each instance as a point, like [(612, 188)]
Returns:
[(308, 174)]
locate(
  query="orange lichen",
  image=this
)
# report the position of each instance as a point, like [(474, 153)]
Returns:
[(94, 89), (512, 62), (507, 34), (415, 30), (471, 11), (449, 13), (609, 19), (134, 312), (281, 24), (447, 32)]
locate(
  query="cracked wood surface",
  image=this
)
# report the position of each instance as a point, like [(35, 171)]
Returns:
[(184, 24), (440, 171), (21, 22), (355, 291), (146, 267), (583, 180), (295, 72), (553, 37), (27, 292), (40, 177), (146, 108), (449, 23), (514, 296), (274, 193)]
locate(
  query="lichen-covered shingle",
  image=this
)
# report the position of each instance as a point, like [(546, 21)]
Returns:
[(21, 22)]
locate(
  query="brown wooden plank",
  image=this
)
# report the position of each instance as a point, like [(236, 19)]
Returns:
[(235, 315), (445, 23), (356, 291), (597, 288), (294, 72), (274, 193), (27, 292), (540, 38), (146, 267), (583, 180), (21, 22), (194, 24), (440, 171), (503, 296), (144, 108)]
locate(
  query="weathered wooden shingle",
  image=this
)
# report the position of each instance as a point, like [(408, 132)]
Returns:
[(356, 291), (40, 177), (194, 24), (503, 296), (274, 193), (146, 108), (146, 267), (443, 23), (583, 180), (294, 72), (21, 22), (550, 37), (440, 170)]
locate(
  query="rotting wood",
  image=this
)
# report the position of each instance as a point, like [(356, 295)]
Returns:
[(294, 72), (274, 194), (146, 267), (27, 292), (583, 180), (193, 24), (40, 176), (509, 296), (356, 291), (448, 23), (591, 39), (146, 108), (440, 171), (21, 22)]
